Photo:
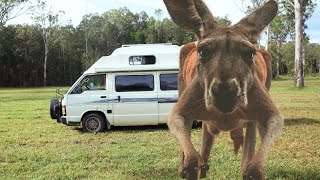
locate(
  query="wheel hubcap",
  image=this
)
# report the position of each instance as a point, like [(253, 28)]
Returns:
[(93, 124)]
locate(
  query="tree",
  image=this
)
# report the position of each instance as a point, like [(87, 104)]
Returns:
[(120, 25), (288, 56), (223, 20), (312, 56), (47, 45), (278, 33), (27, 47), (301, 10), (7, 60), (174, 34), (140, 28), (298, 56), (171, 33), (10, 9), (64, 45), (92, 28), (158, 25), (46, 21)]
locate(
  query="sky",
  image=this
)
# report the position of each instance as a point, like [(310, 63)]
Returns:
[(75, 9)]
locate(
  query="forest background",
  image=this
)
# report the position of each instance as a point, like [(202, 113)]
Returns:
[(50, 52)]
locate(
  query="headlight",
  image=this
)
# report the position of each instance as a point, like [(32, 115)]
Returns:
[(64, 110)]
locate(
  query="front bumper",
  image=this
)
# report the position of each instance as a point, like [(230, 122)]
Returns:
[(63, 119)]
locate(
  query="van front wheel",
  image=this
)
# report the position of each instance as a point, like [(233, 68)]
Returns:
[(93, 123)]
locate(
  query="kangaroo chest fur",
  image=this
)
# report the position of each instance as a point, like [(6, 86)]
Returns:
[(222, 121)]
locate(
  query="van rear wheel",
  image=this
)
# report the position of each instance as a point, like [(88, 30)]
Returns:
[(94, 123)]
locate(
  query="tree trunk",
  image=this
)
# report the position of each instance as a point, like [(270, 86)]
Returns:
[(268, 37), (70, 72), (298, 69), (86, 36), (278, 60), (46, 51), (64, 77)]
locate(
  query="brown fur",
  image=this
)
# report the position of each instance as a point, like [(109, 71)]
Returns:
[(224, 82), (188, 63)]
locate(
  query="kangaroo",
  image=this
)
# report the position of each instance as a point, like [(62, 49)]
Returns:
[(224, 82)]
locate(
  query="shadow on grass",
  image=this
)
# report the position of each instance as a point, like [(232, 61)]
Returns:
[(171, 173), (154, 128), (153, 172), (130, 129), (149, 128), (301, 121), (293, 174), (135, 129)]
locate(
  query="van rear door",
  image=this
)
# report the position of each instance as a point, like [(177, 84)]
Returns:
[(135, 99)]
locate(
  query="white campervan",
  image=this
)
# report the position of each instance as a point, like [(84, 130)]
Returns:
[(135, 85)]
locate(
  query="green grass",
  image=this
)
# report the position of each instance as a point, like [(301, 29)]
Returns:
[(32, 146)]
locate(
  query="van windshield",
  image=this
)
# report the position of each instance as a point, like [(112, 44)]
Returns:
[(90, 82)]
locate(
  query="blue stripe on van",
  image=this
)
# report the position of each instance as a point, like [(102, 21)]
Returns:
[(123, 100), (167, 100)]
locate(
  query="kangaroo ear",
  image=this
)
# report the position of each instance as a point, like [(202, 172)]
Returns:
[(191, 15), (252, 25)]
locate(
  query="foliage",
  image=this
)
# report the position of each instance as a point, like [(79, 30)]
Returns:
[(10, 9), (312, 58), (71, 50), (308, 7), (46, 21), (288, 57), (278, 34), (223, 20), (248, 6), (284, 25), (33, 146)]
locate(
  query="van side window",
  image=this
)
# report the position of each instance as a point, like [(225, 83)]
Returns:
[(127, 83), (91, 82), (142, 60), (169, 82)]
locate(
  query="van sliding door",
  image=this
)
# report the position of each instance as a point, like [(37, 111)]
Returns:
[(135, 99), (167, 93)]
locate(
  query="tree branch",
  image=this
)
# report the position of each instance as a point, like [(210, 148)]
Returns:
[(290, 2)]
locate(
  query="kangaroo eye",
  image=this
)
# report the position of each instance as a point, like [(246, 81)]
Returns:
[(248, 58), (203, 54), (200, 54)]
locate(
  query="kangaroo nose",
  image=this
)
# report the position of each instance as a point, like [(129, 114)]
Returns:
[(226, 89), (224, 95)]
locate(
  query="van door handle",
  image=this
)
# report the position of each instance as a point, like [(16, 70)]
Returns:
[(103, 96), (119, 99)]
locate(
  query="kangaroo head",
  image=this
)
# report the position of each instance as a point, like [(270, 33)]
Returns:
[(225, 66)]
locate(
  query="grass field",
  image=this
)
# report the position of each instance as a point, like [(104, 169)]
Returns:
[(32, 146)]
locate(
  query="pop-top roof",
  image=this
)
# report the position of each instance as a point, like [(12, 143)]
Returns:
[(166, 58)]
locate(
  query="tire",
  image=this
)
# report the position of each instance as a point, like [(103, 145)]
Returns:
[(94, 123), (54, 108)]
